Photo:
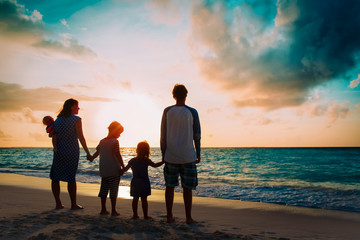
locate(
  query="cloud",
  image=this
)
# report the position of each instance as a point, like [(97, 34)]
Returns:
[(19, 25), (16, 98), (332, 110), (337, 111), (4, 135), (64, 22), (165, 11), (29, 115), (354, 83), (271, 55), (38, 137)]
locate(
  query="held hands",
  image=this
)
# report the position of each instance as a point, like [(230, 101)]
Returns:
[(89, 157), (198, 160)]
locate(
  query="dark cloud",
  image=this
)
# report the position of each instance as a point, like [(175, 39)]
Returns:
[(19, 25), (272, 60), (16, 98)]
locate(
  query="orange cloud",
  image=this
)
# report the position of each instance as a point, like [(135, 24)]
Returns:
[(16, 98)]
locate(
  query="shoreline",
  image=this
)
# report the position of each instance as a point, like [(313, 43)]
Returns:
[(30, 197)]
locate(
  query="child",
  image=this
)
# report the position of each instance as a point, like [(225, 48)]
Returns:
[(140, 183), (49, 121), (110, 165)]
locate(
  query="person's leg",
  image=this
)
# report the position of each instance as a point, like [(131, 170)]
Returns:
[(55, 188), (103, 195), (114, 188), (103, 206), (189, 181), (135, 207), (187, 194), (171, 175), (169, 199), (145, 207), (72, 193), (113, 207)]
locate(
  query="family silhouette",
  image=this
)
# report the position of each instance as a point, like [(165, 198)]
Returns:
[(180, 147)]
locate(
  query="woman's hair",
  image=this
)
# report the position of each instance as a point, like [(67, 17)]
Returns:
[(179, 92), (116, 126), (143, 150), (66, 110)]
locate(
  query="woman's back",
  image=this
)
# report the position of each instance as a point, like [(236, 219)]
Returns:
[(65, 131)]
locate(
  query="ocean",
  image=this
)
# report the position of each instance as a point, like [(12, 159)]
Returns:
[(326, 178)]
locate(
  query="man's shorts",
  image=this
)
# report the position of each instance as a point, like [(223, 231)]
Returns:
[(187, 172)]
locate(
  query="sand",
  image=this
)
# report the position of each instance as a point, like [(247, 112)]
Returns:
[(27, 212)]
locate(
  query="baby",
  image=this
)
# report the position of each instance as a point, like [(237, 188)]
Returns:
[(49, 121)]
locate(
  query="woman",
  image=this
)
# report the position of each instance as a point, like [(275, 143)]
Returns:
[(68, 129)]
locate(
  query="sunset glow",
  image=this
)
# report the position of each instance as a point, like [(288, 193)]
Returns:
[(260, 75)]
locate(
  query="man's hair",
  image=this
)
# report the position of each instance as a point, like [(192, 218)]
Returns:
[(179, 92)]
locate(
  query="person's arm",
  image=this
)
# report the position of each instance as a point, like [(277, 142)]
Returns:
[(51, 131), (163, 131), (155, 165), (80, 135), (54, 142), (197, 135), (118, 154), (120, 160), (125, 169), (96, 154)]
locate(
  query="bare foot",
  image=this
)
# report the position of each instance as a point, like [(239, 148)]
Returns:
[(170, 219), (135, 217), (104, 212), (77, 207), (190, 221), (115, 213), (59, 206), (148, 218)]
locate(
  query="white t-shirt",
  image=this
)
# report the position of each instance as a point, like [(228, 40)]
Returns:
[(180, 130)]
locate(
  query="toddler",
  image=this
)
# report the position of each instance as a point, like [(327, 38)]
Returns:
[(110, 165), (49, 121), (140, 183)]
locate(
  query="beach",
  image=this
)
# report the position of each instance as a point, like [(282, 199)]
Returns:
[(27, 212)]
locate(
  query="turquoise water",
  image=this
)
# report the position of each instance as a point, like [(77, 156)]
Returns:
[(326, 178)]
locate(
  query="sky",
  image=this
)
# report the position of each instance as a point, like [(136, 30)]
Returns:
[(269, 73)]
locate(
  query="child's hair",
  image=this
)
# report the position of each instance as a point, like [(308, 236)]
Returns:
[(47, 120), (179, 92), (143, 150), (116, 126), (66, 110)]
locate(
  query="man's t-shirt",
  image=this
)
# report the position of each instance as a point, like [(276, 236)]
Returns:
[(180, 130)]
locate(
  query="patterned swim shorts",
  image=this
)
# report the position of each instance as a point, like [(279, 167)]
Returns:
[(187, 172), (109, 184)]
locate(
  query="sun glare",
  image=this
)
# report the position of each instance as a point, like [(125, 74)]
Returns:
[(124, 192), (139, 114)]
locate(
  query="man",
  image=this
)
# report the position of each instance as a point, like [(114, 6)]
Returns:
[(180, 132)]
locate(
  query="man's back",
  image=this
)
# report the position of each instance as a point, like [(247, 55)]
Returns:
[(180, 126)]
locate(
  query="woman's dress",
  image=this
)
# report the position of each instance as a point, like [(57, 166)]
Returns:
[(66, 158)]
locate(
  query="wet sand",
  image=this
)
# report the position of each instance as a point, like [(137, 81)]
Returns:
[(27, 211)]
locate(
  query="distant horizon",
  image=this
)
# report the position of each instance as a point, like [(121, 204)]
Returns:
[(217, 147)]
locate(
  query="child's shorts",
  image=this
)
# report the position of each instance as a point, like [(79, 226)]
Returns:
[(109, 184), (187, 172)]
